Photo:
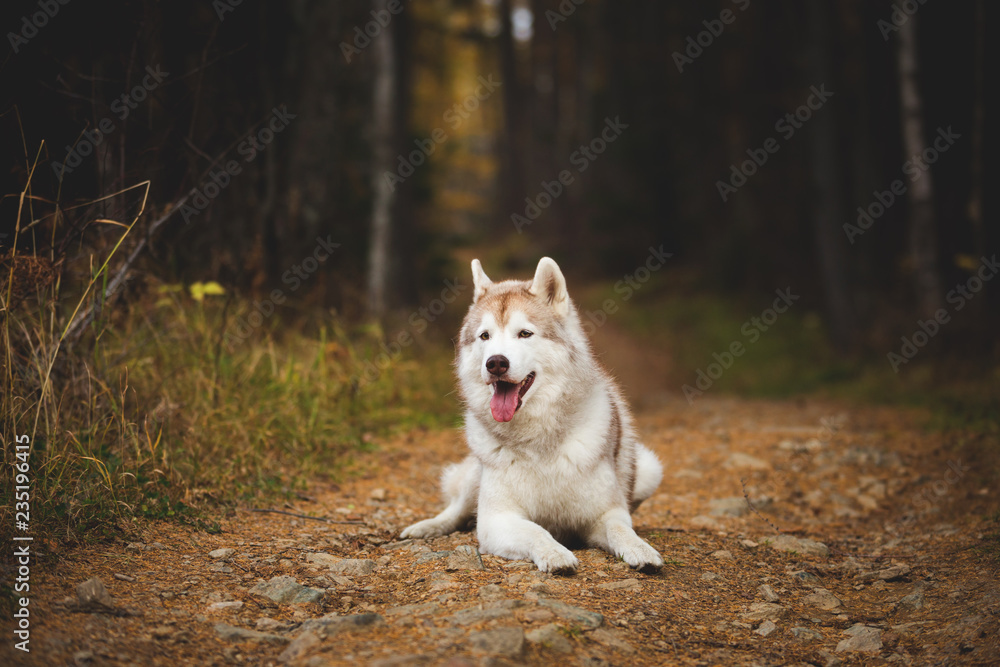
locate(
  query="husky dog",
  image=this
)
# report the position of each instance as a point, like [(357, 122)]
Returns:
[(554, 454)]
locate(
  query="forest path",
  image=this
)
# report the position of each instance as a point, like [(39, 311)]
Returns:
[(845, 484)]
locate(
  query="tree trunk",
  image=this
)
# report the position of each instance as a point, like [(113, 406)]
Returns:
[(512, 197), (922, 232), (383, 115), (828, 215)]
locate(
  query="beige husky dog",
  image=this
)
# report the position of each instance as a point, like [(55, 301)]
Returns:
[(554, 455)]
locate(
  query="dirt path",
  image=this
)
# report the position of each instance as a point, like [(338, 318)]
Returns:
[(844, 484)]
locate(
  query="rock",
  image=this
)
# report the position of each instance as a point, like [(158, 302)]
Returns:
[(124, 577), (378, 494), (354, 567), (749, 544), (722, 554), (219, 567), (911, 602), (538, 615), (862, 639), (413, 609), (550, 636), (893, 573), (804, 577), (476, 615), (710, 576), (221, 554), (799, 545), (298, 647), (805, 634), (432, 555), (766, 628), (831, 659), (265, 624), (624, 584), (611, 639), (81, 658), (464, 557), (224, 606), (767, 593), (762, 611), (501, 641), (743, 461), (702, 522), (92, 593), (285, 590), (733, 506), (822, 599), (331, 624), (233, 634), (161, 632), (588, 619), (322, 559), (491, 592)]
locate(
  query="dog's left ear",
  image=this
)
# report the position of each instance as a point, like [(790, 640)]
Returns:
[(550, 286), (480, 281)]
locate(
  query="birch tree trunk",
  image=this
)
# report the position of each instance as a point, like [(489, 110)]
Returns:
[(383, 114), (922, 233)]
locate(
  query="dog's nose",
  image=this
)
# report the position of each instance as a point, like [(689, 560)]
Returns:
[(497, 364)]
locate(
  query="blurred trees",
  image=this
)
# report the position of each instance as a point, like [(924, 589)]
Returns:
[(698, 88)]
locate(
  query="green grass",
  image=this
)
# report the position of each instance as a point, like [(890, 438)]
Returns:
[(153, 416)]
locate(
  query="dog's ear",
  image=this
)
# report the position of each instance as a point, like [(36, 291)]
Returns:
[(550, 286), (480, 281)]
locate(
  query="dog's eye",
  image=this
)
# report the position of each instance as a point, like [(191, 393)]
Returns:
[(525, 334), (484, 336)]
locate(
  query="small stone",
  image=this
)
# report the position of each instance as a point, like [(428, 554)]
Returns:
[(92, 593), (285, 590), (805, 634), (378, 494), (722, 554), (332, 624), (710, 576), (538, 615), (804, 577), (766, 628), (799, 545), (743, 461), (475, 615), (124, 577), (761, 611), (234, 634), (221, 554), (749, 544), (491, 592), (624, 584), (893, 573), (81, 658), (589, 619), (911, 602), (298, 647), (161, 632), (767, 593), (822, 599), (431, 555), (265, 624), (831, 659), (464, 557), (862, 639), (353, 567), (225, 606), (501, 641), (612, 639), (551, 637)]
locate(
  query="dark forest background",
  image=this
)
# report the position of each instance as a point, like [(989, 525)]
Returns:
[(229, 65)]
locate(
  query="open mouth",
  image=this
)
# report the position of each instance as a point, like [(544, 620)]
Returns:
[(507, 397)]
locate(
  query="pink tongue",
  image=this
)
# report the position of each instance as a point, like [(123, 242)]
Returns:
[(504, 401)]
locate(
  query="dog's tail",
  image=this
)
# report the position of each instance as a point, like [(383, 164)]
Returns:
[(648, 473)]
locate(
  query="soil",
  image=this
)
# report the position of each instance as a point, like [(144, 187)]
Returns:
[(870, 540)]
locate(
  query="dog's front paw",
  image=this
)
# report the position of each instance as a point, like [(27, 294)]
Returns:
[(641, 556), (555, 558), (426, 528)]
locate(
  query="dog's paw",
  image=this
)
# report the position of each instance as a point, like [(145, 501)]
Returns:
[(425, 529), (556, 559), (641, 556)]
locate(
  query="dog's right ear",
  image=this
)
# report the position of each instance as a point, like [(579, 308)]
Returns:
[(480, 281)]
